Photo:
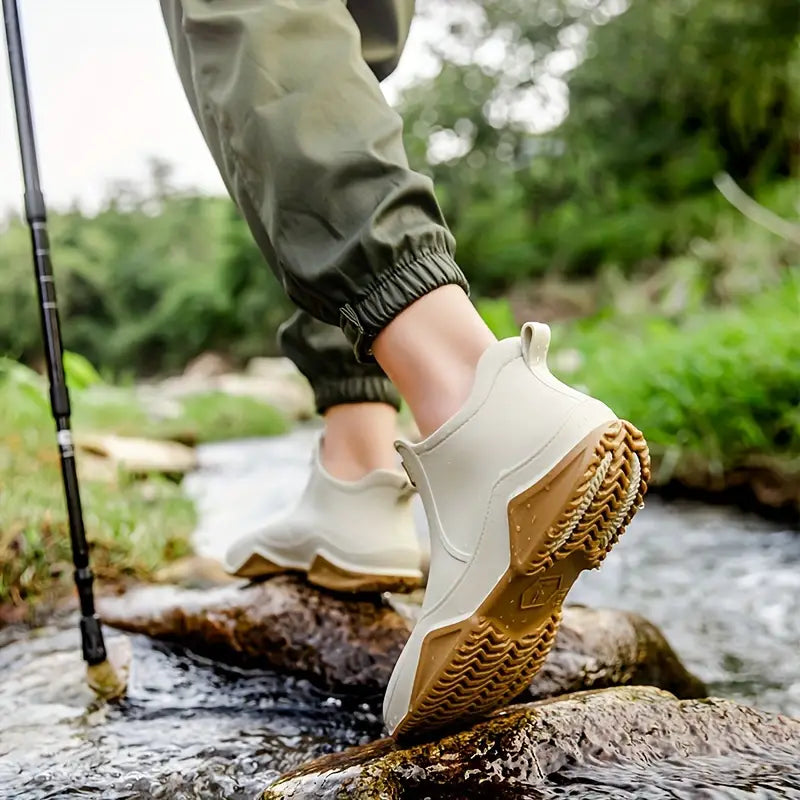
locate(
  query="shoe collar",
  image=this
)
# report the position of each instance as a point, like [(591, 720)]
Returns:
[(378, 477)]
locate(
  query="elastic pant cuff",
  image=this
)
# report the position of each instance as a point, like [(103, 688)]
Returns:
[(362, 389), (395, 290)]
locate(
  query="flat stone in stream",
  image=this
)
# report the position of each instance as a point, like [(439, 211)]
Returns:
[(352, 643), (631, 742)]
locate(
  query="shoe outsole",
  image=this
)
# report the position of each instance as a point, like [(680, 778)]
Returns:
[(326, 575), (565, 523)]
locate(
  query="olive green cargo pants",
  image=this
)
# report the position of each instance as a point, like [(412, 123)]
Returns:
[(286, 94)]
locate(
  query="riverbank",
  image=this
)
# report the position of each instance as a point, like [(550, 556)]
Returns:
[(137, 517), (714, 386)]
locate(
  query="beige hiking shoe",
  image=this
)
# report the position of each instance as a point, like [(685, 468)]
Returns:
[(530, 483), (348, 536)]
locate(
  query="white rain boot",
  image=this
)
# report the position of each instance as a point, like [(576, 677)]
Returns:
[(530, 483), (348, 536)]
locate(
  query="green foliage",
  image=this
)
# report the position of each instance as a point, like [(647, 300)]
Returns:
[(660, 95), (200, 418), (79, 371), (659, 102), (133, 527), (149, 282), (499, 317), (215, 416), (722, 385)]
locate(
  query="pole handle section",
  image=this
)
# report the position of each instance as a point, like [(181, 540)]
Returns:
[(35, 209)]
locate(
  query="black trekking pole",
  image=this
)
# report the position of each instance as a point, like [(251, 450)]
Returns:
[(101, 674)]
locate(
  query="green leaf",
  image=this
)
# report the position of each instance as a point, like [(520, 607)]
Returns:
[(79, 371)]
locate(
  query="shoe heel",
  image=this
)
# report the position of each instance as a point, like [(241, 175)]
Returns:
[(336, 579), (581, 508)]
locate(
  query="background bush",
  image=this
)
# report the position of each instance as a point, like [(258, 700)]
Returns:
[(661, 96)]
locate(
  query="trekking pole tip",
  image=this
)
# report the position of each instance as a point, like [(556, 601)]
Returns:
[(109, 678)]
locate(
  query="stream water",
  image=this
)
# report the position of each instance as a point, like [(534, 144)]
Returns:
[(723, 586)]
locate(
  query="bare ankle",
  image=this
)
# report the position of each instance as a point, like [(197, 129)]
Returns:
[(430, 351), (359, 438)]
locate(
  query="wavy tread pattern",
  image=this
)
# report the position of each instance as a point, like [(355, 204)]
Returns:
[(470, 668), (328, 576)]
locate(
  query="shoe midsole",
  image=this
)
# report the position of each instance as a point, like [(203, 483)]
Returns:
[(349, 566)]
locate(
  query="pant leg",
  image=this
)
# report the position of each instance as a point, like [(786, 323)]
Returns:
[(323, 354), (321, 351), (384, 26), (313, 156)]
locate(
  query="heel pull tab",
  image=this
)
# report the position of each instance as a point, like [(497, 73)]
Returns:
[(535, 340), (407, 459)]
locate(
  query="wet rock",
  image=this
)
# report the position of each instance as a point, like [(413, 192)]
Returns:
[(352, 643), (194, 572), (290, 394), (599, 647), (272, 380), (282, 624), (208, 365), (622, 742)]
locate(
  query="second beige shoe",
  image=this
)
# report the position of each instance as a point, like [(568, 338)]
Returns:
[(348, 536)]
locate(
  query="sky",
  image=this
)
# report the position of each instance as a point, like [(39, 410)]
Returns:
[(106, 98)]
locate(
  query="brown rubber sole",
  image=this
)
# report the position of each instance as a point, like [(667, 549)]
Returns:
[(329, 576), (565, 523)]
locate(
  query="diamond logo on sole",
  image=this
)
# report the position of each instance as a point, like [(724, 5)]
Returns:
[(541, 593)]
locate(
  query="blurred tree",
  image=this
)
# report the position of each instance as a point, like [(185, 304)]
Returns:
[(563, 135), (259, 300), (661, 96), (156, 277)]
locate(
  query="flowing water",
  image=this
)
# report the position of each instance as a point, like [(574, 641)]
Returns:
[(723, 586)]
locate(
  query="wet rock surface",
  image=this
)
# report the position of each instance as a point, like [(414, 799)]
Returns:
[(135, 456), (598, 647), (352, 644), (632, 742), (280, 624)]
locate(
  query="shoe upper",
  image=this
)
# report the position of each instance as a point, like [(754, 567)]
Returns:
[(515, 410), (364, 525)]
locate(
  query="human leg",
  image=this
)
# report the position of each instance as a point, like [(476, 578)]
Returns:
[(526, 482), (357, 401), (313, 156), (355, 397), (352, 528), (217, 52)]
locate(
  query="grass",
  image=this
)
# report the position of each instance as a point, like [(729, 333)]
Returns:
[(722, 385), (134, 526), (196, 419), (705, 359)]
